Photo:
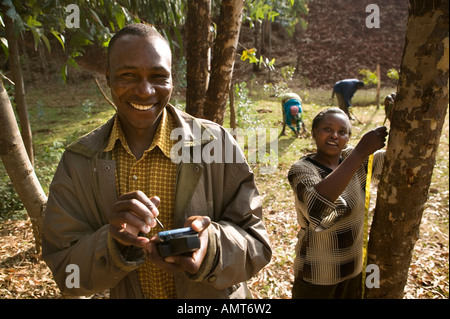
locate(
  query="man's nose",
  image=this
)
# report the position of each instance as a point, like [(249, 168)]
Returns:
[(145, 88)]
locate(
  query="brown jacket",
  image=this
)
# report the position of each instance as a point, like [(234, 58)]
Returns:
[(76, 225)]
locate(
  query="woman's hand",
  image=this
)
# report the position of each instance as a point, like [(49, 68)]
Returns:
[(372, 141)]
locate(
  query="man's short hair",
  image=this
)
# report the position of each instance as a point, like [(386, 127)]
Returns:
[(137, 29)]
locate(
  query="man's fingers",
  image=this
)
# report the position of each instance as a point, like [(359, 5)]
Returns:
[(127, 239), (153, 255), (187, 263), (141, 205), (152, 205), (155, 200), (138, 209), (198, 223), (129, 218)]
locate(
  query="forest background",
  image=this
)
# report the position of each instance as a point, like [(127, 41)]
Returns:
[(335, 45)]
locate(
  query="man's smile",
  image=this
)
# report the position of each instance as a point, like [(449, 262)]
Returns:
[(141, 107)]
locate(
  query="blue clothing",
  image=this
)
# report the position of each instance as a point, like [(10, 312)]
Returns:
[(347, 88), (289, 118)]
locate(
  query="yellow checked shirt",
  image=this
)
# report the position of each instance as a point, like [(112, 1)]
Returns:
[(154, 174)]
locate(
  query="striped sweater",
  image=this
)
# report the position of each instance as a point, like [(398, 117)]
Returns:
[(329, 247)]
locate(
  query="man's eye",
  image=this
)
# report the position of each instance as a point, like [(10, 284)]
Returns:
[(161, 77), (127, 75)]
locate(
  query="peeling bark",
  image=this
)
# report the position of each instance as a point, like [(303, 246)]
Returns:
[(19, 168), (198, 23), (223, 59), (418, 117), (19, 86)]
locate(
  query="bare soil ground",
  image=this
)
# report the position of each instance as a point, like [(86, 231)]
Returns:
[(23, 274), (336, 45)]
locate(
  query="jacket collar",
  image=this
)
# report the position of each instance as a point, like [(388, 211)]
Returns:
[(191, 130)]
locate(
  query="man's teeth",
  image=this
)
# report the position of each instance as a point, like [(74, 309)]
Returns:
[(332, 143), (142, 107)]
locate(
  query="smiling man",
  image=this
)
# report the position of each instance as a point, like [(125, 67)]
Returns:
[(113, 183), (139, 75)]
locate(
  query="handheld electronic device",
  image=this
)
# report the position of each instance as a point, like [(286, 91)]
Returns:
[(178, 241)]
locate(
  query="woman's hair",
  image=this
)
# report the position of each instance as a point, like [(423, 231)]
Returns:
[(331, 110)]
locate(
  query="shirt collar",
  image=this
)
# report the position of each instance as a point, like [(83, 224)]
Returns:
[(161, 138)]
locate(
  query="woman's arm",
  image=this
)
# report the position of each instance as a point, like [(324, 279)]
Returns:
[(332, 186)]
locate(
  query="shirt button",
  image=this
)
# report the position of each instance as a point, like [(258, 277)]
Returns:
[(103, 261), (134, 178), (212, 278)]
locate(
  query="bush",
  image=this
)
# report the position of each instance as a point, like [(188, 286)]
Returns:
[(9, 200), (370, 78), (246, 116)]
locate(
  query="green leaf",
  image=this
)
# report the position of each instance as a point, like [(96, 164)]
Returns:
[(96, 18), (64, 73), (5, 47), (32, 22), (105, 43), (12, 13), (392, 74), (60, 38), (8, 3), (36, 37), (4, 42), (46, 42), (179, 40), (120, 17)]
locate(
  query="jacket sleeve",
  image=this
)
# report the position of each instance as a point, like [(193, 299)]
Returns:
[(241, 241), (76, 243)]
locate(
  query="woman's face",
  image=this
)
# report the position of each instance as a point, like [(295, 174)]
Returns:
[(332, 134)]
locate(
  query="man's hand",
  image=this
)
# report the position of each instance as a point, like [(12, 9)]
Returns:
[(186, 262), (133, 213)]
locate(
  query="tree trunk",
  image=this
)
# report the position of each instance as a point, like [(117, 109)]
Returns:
[(223, 59), (19, 87), (257, 38), (419, 113), (19, 168), (232, 109), (198, 23), (378, 86), (270, 49)]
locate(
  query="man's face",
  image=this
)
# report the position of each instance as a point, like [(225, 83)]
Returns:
[(139, 75)]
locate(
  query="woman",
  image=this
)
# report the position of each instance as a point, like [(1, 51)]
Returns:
[(329, 188)]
